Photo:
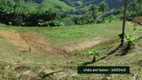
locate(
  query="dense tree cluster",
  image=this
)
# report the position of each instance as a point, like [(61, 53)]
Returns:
[(94, 14), (29, 13), (135, 8), (15, 12)]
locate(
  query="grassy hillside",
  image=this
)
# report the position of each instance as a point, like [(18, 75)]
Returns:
[(67, 5), (43, 63), (55, 4), (83, 3)]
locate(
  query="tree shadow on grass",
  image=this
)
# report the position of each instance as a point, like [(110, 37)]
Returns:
[(112, 52), (43, 75), (86, 63), (125, 51)]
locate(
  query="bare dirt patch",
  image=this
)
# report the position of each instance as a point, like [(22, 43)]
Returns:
[(15, 39), (21, 41), (129, 23), (83, 45), (38, 41), (75, 47), (40, 44)]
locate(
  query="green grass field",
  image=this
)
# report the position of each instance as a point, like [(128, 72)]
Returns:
[(17, 65)]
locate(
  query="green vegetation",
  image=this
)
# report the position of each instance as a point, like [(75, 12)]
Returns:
[(30, 47), (69, 33), (134, 8), (55, 4), (103, 7), (134, 26), (19, 65), (50, 13), (84, 34), (94, 53)]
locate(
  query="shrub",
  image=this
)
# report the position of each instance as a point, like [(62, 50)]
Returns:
[(94, 53), (100, 20), (67, 21), (129, 42), (134, 26), (83, 20), (55, 23), (30, 46)]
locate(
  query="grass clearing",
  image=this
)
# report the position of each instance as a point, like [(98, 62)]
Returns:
[(75, 33), (24, 65)]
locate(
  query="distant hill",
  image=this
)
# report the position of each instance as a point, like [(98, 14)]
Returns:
[(83, 3), (79, 3), (36, 1), (74, 5)]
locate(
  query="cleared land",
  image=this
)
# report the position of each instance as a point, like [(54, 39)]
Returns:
[(57, 51)]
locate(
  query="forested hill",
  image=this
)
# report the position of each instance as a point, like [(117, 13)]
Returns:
[(56, 12), (65, 5), (83, 3), (80, 3)]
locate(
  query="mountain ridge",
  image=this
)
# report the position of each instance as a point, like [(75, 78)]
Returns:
[(82, 3)]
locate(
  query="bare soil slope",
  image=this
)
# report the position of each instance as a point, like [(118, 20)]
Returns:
[(40, 44), (15, 39)]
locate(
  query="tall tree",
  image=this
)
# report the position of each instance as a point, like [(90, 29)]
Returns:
[(133, 8), (124, 21), (140, 4), (103, 7), (93, 10)]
